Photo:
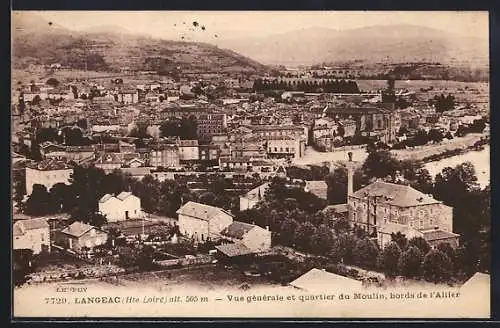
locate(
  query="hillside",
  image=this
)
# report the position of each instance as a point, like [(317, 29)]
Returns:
[(394, 43), (35, 41)]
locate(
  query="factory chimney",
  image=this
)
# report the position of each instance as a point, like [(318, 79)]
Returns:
[(350, 175)]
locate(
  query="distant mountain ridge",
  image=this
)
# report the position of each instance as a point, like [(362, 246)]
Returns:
[(383, 43), (36, 41)]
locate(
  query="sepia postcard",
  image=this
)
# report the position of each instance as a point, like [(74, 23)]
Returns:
[(250, 164)]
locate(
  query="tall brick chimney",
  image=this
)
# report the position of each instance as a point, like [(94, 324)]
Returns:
[(350, 174)]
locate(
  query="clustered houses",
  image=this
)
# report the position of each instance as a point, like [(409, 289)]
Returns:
[(203, 222), (121, 125), (371, 122)]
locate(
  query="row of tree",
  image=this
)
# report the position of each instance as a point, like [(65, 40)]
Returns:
[(328, 86)]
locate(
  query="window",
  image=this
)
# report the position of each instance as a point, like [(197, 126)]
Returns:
[(431, 221), (275, 149), (286, 149), (421, 224)]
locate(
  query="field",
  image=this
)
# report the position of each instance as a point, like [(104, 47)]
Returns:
[(203, 279), (415, 85), (134, 227)]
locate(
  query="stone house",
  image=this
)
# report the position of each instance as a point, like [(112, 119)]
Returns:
[(202, 222)]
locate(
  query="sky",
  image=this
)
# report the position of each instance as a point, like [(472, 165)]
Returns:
[(233, 24)]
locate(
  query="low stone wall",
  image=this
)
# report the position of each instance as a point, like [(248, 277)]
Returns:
[(96, 271), (182, 262)]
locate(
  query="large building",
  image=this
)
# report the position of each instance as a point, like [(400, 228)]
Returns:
[(188, 150), (208, 125), (202, 222), (266, 132), (47, 173), (371, 122), (285, 147), (166, 155), (383, 206)]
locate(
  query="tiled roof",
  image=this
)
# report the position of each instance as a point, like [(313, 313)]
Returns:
[(391, 227), (123, 195), (49, 164), (105, 198), (478, 279), (109, 158), (275, 127), (438, 234), (238, 229), (235, 249), (317, 187), (187, 143), (317, 280), (29, 224), (395, 194), (254, 193), (200, 211), (77, 229), (339, 208)]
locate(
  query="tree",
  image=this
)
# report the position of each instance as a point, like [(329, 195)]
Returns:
[(36, 100), (337, 186), (366, 253), (62, 198), (437, 267), (304, 236), (287, 232), (410, 264), (35, 153), (390, 259), (322, 242), (435, 135), (39, 202), (52, 82), (380, 164), (420, 243), (343, 248), (145, 258), (400, 240), (449, 252), (208, 198)]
